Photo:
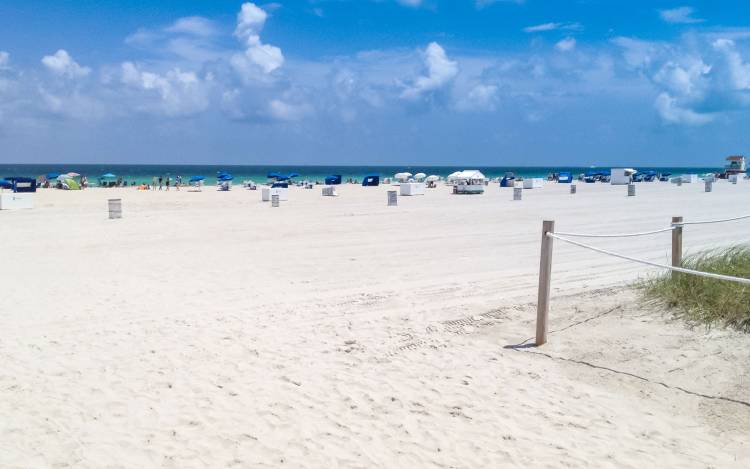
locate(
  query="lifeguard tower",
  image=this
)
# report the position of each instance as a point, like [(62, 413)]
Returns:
[(735, 165)]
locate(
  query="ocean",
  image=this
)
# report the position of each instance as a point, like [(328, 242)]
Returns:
[(145, 173)]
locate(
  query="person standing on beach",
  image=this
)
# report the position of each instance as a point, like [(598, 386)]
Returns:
[(178, 182), (153, 183), (160, 182), (167, 182)]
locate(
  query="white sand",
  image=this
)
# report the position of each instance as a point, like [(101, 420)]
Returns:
[(211, 330)]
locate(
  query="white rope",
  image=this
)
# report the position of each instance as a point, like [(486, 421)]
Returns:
[(729, 278), (615, 235), (705, 222)]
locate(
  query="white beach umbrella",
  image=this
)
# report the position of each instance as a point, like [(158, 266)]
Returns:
[(432, 178), (420, 176)]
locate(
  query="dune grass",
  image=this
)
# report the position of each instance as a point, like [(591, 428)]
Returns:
[(700, 300)]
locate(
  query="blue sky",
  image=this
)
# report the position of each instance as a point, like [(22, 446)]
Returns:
[(462, 82)]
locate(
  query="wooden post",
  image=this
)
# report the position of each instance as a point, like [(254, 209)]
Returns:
[(676, 243), (545, 272)]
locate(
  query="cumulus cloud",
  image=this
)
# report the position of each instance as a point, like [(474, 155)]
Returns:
[(539, 28), (566, 45), (61, 63), (177, 93), (250, 22), (680, 15), (697, 80), (671, 111), (440, 71)]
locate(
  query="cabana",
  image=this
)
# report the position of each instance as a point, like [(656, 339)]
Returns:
[(649, 175), (197, 183), (20, 197), (282, 176), (596, 175), (371, 180), (333, 179), (565, 177), (468, 182), (451, 179), (224, 181), (621, 176), (21, 184)]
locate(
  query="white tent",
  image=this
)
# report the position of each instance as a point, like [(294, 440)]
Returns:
[(468, 175)]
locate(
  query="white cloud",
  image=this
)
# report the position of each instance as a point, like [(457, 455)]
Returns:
[(4, 60), (284, 111), (440, 72), (481, 97), (61, 63), (194, 25), (250, 21), (738, 70), (671, 111), (179, 93), (680, 15), (552, 27), (566, 45)]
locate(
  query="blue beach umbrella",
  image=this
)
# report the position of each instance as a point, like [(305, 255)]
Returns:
[(51, 176), (108, 176), (197, 178)]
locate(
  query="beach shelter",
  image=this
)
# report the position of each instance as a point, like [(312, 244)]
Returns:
[(73, 174), (432, 178), (371, 180), (419, 177), (224, 177), (21, 184), (453, 176), (333, 179), (52, 176), (565, 177), (5, 184), (197, 178)]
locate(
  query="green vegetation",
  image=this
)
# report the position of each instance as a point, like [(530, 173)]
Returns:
[(703, 300)]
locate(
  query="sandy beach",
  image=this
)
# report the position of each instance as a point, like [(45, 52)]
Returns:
[(211, 330)]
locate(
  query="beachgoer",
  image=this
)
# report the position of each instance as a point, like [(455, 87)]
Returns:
[(161, 179), (167, 182)]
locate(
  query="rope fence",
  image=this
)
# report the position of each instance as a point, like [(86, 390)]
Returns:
[(615, 235), (545, 261), (699, 273)]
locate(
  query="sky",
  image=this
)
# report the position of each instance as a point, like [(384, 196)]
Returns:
[(370, 82)]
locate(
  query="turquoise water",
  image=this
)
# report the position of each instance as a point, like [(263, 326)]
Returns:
[(145, 173)]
